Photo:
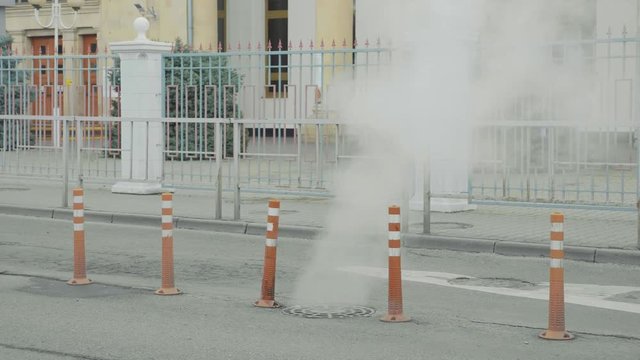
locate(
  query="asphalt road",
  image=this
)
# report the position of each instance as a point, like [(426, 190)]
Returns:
[(118, 317)]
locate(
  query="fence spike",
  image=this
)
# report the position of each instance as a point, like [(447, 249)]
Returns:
[(300, 45), (279, 45), (249, 46), (366, 42), (269, 46), (333, 43), (624, 31), (311, 44), (258, 46), (378, 42), (355, 43), (321, 43), (290, 45), (344, 42), (210, 46), (239, 47)]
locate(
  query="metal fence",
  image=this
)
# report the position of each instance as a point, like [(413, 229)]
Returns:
[(260, 121), (572, 141)]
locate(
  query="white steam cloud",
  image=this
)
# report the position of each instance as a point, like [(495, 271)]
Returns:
[(454, 63)]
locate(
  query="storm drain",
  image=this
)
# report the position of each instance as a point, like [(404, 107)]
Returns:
[(329, 311), (494, 282)]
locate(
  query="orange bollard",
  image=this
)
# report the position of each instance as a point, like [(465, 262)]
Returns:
[(556, 329), (79, 260), (168, 286), (395, 313), (269, 270)]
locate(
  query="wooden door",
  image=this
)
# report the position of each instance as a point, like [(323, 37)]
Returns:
[(43, 82), (43, 76), (89, 73)]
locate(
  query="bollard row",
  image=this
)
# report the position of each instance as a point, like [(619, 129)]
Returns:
[(395, 313)]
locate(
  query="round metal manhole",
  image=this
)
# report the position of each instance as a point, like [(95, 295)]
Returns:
[(329, 311), (494, 282)]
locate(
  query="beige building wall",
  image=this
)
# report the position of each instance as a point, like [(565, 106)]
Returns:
[(334, 20), (112, 21), (169, 22)]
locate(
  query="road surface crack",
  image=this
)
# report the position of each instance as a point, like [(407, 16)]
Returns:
[(622, 337), (7, 273), (51, 352)]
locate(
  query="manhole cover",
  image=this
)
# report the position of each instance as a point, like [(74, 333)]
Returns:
[(494, 282), (329, 311)]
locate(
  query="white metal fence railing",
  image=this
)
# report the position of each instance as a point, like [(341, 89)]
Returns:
[(546, 162)]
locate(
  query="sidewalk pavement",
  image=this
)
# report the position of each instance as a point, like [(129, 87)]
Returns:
[(590, 235)]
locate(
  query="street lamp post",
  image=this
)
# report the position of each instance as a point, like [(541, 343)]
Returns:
[(57, 23)]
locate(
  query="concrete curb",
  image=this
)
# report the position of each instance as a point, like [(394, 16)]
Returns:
[(509, 248), (448, 243), (415, 241), (617, 256), (234, 227), (285, 231), (21, 211)]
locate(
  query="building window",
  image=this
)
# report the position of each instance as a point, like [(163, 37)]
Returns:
[(277, 28), (222, 24)]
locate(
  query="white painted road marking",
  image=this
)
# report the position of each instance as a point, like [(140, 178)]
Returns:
[(579, 294)]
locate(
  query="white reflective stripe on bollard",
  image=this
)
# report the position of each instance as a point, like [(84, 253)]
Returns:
[(269, 226), (273, 212), (557, 227), (78, 227), (167, 204), (394, 251), (167, 219), (394, 219), (78, 213), (271, 242), (394, 235), (557, 245), (78, 199), (555, 263), (167, 233)]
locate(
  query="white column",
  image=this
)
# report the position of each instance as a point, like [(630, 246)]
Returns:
[(142, 141), (452, 39)]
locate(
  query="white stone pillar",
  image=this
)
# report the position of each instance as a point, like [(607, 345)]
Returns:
[(141, 83), (452, 37)]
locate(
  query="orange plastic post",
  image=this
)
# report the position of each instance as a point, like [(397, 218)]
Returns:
[(79, 259), (395, 311), (168, 285), (267, 298), (556, 329)]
